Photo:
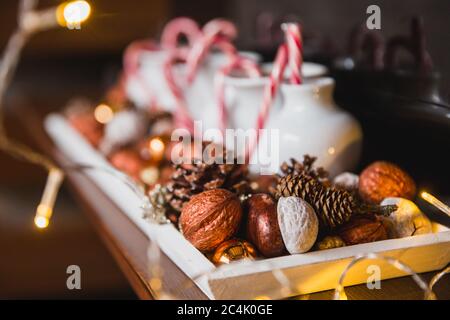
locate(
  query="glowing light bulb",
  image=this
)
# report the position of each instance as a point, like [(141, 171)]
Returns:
[(156, 148), (44, 210), (331, 151), (156, 145), (73, 13), (41, 222), (103, 113), (435, 202)]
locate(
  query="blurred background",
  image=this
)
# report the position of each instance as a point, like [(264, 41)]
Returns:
[(61, 64)]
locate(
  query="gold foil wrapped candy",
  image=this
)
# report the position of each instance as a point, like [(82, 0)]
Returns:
[(233, 250), (330, 242)]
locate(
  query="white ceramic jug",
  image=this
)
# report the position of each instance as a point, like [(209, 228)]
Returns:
[(199, 95), (244, 96), (310, 122)]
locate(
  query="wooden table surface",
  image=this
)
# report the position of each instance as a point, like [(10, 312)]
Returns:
[(128, 245)]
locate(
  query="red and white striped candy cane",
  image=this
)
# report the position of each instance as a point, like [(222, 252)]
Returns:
[(211, 31), (181, 115), (249, 67), (177, 27), (131, 66), (295, 51), (270, 91)]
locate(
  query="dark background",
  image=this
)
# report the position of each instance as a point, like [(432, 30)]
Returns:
[(60, 64)]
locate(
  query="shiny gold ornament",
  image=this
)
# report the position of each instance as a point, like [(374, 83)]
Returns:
[(330, 242), (234, 250)]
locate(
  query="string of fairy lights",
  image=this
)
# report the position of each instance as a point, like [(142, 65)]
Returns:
[(30, 22)]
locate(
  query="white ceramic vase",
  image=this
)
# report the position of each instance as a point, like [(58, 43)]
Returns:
[(150, 83), (309, 122)]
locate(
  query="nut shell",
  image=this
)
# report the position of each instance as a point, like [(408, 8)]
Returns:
[(210, 218), (128, 161), (299, 224), (262, 225), (382, 180), (407, 220), (362, 230)]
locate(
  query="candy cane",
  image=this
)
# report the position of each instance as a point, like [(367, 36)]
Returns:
[(295, 50), (249, 67), (181, 115), (270, 92), (211, 31), (226, 47), (131, 65), (177, 27)]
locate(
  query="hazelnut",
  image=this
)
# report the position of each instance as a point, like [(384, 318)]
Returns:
[(382, 180), (210, 218), (262, 225)]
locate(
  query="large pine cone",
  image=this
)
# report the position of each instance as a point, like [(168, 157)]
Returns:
[(195, 177)]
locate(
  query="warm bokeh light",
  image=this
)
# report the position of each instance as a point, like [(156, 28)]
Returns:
[(435, 202), (156, 145), (156, 148), (426, 196), (156, 284), (43, 214), (149, 175), (103, 113), (44, 210), (41, 222), (73, 13)]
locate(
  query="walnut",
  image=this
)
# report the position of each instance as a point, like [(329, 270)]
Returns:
[(210, 218), (382, 180), (298, 224), (363, 229)]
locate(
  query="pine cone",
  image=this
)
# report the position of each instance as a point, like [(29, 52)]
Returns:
[(306, 167), (333, 207), (196, 177)]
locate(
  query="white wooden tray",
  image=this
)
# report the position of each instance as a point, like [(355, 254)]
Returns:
[(309, 272)]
